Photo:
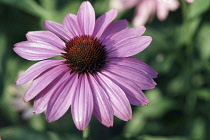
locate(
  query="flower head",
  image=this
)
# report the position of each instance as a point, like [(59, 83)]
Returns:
[(97, 75), (146, 9)]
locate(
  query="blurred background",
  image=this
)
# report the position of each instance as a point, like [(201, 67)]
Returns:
[(179, 106)]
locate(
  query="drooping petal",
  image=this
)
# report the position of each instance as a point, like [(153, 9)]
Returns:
[(122, 36), (82, 105), (103, 21), (71, 25), (144, 11), (189, 1), (58, 30), (119, 101), (114, 28), (61, 100), (132, 91), (42, 99), (174, 4), (45, 37), (168, 5), (36, 69), (123, 4), (86, 18), (136, 64), (36, 50), (43, 80), (102, 105), (162, 10), (144, 81), (130, 47)]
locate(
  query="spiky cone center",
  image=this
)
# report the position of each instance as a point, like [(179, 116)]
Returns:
[(85, 54)]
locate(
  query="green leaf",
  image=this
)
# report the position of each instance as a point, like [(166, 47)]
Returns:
[(58, 9), (18, 133), (134, 126), (198, 130), (203, 94), (156, 108), (198, 7), (189, 29), (158, 104), (177, 84), (29, 6), (204, 41), (2, 49), (37, 122), (53, 136), (48, 4), (161, 138)]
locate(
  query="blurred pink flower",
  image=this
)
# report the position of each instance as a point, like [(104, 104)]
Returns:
[(17, 100), (146, 9), (189, 1), (98, 74)]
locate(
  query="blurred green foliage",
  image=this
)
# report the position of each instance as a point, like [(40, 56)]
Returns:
[(179, 106)]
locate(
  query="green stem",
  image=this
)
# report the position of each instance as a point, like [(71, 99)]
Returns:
[(186, 32), (184, 9), (85, 134), (187, 43), (190, 98), (186, 23)]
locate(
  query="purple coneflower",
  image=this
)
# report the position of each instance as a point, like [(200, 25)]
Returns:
[(97, 75), (146, 9)]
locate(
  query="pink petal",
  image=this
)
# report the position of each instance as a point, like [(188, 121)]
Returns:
[(86, 18), (123, 4), (103, 21), (132, 91), (44, 80), (45, 37), (113, 28), (42, 99), (144, 81), (82, 105), (136, 64), (102, 106), (36, 69), (130, 47), (189, 1), (71, 25), (119, 101), (36, 50), (58, 30), (173, 4), (144, 11), (61, 100), (162, 10), (122, 36)]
